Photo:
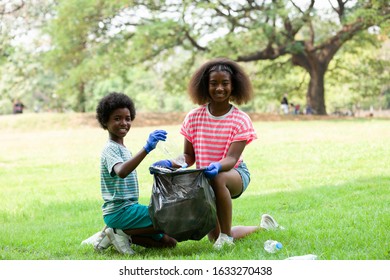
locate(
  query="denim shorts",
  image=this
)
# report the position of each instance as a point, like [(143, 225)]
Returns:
[(131, 217), (245, 177)]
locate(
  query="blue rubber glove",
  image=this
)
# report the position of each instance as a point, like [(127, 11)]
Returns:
[(212, 170), (163, 163), (154, 137)]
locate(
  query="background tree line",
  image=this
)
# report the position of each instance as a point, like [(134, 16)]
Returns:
[(66, 54)]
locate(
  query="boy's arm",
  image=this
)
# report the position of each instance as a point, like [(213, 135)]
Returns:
[(123, 169)]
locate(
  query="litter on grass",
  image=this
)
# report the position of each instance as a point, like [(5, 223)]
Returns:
[(304, 257)]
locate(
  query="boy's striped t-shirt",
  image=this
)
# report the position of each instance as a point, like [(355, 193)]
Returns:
[(116, 192), (211, 136)]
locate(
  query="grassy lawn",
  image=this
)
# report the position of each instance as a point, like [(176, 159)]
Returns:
[(326, 181)]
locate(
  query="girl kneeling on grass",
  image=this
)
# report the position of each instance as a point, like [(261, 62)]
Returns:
[(122, 214), (215, 135)]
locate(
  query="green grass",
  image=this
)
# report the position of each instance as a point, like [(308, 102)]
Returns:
[(326, 181)]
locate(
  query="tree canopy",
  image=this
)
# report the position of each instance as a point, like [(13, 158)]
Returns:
[(86, 47)]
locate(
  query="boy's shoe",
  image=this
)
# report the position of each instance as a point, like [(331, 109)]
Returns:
[(121, 241), (223, 239), (102, 241), (269, 223)]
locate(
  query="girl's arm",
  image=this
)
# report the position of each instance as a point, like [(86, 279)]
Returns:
[(233, 155), (189, 153), (227, 163)]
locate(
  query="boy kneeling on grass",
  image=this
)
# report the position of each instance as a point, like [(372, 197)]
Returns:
[(127, 221)]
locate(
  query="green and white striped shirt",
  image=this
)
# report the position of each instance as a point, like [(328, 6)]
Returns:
[(116, 192)]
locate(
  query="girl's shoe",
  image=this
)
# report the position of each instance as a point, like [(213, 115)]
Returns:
[(269, 223)]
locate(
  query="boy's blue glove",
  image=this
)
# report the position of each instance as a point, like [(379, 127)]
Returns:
[(212, 170), (162, 163), (154, 137)]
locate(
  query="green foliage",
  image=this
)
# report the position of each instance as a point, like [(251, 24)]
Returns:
[(156, 39), (231, 44), (178, 75), (24, 78), (386, 97), (269, 88), (70, 56), (149, 49), (359, 76)]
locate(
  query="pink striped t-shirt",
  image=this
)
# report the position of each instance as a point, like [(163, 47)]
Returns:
[(211, 136)]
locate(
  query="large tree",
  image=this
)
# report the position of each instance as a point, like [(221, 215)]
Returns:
[(92, 36), (266, 30), (252, 30)]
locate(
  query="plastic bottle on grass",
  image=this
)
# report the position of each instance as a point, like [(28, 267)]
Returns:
[(272, 246)]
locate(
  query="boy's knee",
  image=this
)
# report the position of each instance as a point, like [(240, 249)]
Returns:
[(169, 241)]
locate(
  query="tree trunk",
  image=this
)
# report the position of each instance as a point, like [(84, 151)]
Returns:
[(81, 98), (315, 96)]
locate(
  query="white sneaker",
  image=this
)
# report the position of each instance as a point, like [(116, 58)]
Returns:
[(269, 223), (223, 239), (120, 241), (102, 241)]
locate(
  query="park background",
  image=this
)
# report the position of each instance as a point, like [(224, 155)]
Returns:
[(323, 176), (63, 56)]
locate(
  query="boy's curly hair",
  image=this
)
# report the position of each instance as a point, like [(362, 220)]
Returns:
[(198, 87), (110, 103)]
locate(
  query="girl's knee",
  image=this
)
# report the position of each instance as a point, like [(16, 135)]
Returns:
[(218, 185)]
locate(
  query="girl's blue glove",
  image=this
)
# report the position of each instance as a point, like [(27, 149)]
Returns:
[(154, 137), (212, 170)]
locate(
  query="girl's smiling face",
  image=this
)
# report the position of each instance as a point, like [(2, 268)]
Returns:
[(119, 124), (220, 86)]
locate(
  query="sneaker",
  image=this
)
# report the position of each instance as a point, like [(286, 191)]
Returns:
[(269, 223), (120, 241), (223, 239), (102, 241)]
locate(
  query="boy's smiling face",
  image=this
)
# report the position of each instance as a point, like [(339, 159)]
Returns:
[(119, 124)]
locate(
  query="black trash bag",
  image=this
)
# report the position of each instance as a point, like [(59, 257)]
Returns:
[(182, 204)]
